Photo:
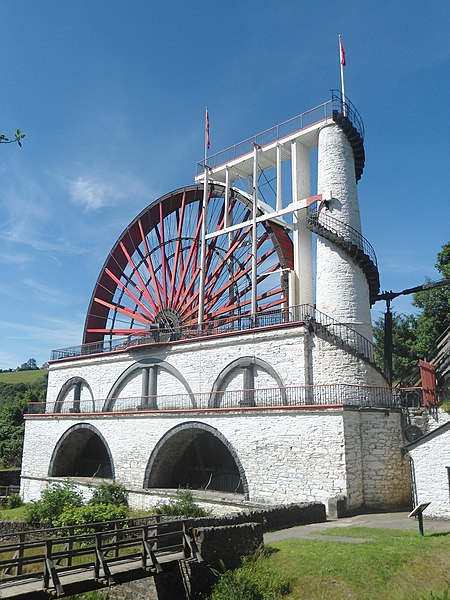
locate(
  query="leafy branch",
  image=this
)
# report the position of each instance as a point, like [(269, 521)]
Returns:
[(18, 136)]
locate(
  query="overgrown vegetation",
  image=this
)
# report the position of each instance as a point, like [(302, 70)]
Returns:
[(256, 579), (182, 506), (14, 399), (414, 336), (61, 504)]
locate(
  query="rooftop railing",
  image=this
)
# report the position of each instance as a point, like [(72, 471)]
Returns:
[(306, 119), (327, 395)]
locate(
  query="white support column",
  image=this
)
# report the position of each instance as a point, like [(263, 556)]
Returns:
[(301, 188), (201, 294), (254, 231), (279, 203)]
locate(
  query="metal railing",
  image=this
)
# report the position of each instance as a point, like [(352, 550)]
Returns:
[(348, 109), (335, 394), (321, 218), (302, 314), (306, 119)]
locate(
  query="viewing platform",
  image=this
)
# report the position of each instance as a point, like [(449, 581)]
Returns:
[(274, 144)]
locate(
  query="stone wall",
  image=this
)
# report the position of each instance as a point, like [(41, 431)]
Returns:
[(310, 455), (430, 463)]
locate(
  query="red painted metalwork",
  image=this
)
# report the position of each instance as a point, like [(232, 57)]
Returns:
[(151, 275), (428, 376)]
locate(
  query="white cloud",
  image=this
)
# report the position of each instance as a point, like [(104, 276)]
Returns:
[(94, 193)]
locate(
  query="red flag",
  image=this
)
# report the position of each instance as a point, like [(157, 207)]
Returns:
[(207, 140), (342, 52)]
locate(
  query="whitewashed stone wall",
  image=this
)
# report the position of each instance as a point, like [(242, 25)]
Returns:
[(200, 362), (287, 456), (296, 356), (430, 457), (341, 287)]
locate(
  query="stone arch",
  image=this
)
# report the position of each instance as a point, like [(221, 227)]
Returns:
[(76, 384), (146, 364), (244, 362), (82, 451), (178, 460)]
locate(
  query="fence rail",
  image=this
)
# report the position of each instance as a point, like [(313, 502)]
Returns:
[(280, 397), (45, 559)]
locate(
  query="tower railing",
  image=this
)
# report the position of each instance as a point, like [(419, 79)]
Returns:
[(348, 109), (342, 230)]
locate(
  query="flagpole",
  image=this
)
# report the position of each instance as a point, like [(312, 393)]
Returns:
[(342, 61), (201, 289)]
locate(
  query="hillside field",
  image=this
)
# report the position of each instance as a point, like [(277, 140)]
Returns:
[(23, 376)]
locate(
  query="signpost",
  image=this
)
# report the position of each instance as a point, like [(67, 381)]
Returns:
[(418, 512)]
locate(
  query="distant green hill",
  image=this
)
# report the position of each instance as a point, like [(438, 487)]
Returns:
[(23, 376)]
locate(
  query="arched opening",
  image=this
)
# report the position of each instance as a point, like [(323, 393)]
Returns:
[(196, 456), (82, 452), (257, 379), (75, 396)]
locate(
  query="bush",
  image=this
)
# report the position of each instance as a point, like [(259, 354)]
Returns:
[(54, 500), (90, 513), (110, 493), (13, 501), (256, 579), (183, 506)]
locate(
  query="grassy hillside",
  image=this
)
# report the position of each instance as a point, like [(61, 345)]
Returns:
[(23, 376)]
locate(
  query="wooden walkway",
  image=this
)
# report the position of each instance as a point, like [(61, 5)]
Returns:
[(65, 561)]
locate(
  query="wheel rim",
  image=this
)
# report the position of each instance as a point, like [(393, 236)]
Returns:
[(152, 274)]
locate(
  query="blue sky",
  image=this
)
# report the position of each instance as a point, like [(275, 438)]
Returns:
[(111, 95)]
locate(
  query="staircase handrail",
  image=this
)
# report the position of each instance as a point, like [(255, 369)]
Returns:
[(342, 230)]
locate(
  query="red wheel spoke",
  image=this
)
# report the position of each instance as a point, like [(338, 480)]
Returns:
[(121, 331), (155, 282), (193, 248), (180, 216), (130, 294), (134, 314), (143, 289)]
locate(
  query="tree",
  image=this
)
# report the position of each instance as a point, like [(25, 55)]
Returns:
[(414, 336), (435, 309), (30, 365)]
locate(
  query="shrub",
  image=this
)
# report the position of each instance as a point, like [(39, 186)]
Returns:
[(54, 500), (183, 506), (13, 501), (110, 493), (90, 513), (256, 579)]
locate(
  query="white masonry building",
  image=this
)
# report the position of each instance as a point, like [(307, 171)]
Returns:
[(227, 345)]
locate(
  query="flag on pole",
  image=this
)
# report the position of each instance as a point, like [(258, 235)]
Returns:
[(207, 140), (342, 52)]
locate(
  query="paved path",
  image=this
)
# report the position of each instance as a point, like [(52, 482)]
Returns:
[(397, 520)]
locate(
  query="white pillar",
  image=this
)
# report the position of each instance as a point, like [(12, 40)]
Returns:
[(301, 188), (279, 201), (342, 291)]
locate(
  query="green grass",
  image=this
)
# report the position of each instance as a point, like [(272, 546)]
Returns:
[(13, 514), (23, 376), (391, 565)]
